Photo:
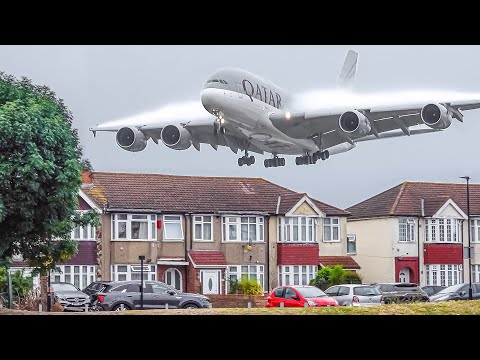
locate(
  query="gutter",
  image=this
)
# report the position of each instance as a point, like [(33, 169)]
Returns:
[(422, 206)]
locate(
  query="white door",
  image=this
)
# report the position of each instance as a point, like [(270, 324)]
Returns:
[(404, 275), (210, 281), (173, 277)]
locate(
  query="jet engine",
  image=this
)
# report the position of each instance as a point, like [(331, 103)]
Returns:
[(354, 123), (436, 116), (131, 139), (176, 137)]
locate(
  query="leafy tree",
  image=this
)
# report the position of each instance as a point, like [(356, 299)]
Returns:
[(40, 167), (351, 277), (21, 285), (322, 279)]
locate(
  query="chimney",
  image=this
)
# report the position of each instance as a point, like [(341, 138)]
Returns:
[(87, 178)]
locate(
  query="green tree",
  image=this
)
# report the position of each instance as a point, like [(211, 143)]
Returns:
[(334, 275), (40, 167)]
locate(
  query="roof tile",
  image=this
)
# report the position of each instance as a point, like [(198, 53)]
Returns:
[(346, 261)]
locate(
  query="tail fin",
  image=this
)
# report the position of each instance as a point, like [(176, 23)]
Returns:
[(347, 75)]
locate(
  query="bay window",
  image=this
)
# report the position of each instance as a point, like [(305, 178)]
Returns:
[(142, 227), (296, 274), (297, 229), (331, 229), (78, 275), (443, 274), (443, 230), (476, 273), (235, 273), (133, 272), (242, 228), (475, 230)]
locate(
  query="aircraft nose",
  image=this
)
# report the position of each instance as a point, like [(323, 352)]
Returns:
[(208, 99)]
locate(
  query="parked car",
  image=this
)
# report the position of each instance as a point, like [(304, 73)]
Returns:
[(70, 297), (299, 296), (432, 289), (94, 288), (125, 295), (457, 292), (401, 292), (355, 295)]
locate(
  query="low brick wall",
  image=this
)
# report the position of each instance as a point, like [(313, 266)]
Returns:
[(237, 301)]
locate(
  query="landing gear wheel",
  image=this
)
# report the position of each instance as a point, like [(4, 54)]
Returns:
[(240, 161), (251, 160)]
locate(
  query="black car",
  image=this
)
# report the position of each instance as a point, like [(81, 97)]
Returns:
[(94, 288), (432, 289), (402, 292), (457, 292), (70, 297), (125, 295)]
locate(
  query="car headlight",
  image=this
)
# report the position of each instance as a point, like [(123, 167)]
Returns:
[(205, 299), (336, 302), (311, 303), (60, 297), (443, 297)]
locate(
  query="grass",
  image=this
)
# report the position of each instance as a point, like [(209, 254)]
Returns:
[(441, 308)]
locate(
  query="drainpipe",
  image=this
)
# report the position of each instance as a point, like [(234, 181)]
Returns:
[(187, 216), (267, 252), (422, 206)]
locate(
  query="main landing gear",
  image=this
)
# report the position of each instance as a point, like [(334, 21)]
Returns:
[(312, 159), (274, 162), (246, 160)]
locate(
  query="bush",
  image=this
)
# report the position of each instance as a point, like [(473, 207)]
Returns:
[(335, 275), (245, 287)]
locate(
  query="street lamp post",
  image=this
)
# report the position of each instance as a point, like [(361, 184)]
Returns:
[(470, 295), (141, 258)]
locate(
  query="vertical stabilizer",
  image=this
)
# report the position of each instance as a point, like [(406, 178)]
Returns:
[(346, 79)]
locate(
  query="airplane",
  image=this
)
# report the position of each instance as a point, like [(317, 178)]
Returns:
[(248, 113)]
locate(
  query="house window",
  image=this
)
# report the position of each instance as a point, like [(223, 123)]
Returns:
[(242, 228), (475, 230), (406, 230), (134, 227), (476, 273), (173, 229), (351, 244), (297, 229), (79, 275), (443, 230), (331, 229), (443, 274), (202, 226), (251, 272), (296, 274), (83, 232), (133, 272)]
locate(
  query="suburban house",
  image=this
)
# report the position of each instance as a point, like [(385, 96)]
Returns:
[(416, 232), (199, 234)]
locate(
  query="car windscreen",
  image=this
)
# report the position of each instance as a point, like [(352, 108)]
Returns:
[(63, 287), (310, 292), (366, 291), (407, 288)]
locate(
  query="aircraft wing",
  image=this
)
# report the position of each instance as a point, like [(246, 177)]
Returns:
[(323, 126)]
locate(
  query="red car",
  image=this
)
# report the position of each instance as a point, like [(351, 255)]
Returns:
[(299, 296)]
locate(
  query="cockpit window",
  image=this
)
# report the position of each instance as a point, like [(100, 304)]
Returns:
[(216, 81)]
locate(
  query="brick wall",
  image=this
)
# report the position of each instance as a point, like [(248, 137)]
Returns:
[(237, 301)]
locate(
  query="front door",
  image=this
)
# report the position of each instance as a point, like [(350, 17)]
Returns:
[(404, 275), (210, 282)]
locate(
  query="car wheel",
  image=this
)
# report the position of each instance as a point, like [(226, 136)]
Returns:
[(191, 306), (120, 308)]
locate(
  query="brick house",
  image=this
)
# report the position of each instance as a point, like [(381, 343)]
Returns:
[(200, 233), (416, 232)]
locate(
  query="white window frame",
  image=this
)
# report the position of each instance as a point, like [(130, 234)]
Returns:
[(85, 274), (289, 274), (443, 274), (475, 273), (171, 221), (475, 230), (443, 230), (352, 239), (89, 229), (202, 223), (290, 229), (331, 226), (172, 271), (235, 220), (406, 230), (151, 220), (237, 271), (149, 272)]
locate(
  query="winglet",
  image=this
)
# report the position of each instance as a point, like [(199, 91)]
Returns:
[(347, 75)]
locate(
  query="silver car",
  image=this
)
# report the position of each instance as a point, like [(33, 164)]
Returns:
[(355, 295)]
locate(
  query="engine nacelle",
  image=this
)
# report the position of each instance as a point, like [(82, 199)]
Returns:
[(176, 137), (436, 116), (340, 148), (131, 139), (354, 123)]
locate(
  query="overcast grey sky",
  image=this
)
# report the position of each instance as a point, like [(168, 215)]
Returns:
[(102, 83)]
